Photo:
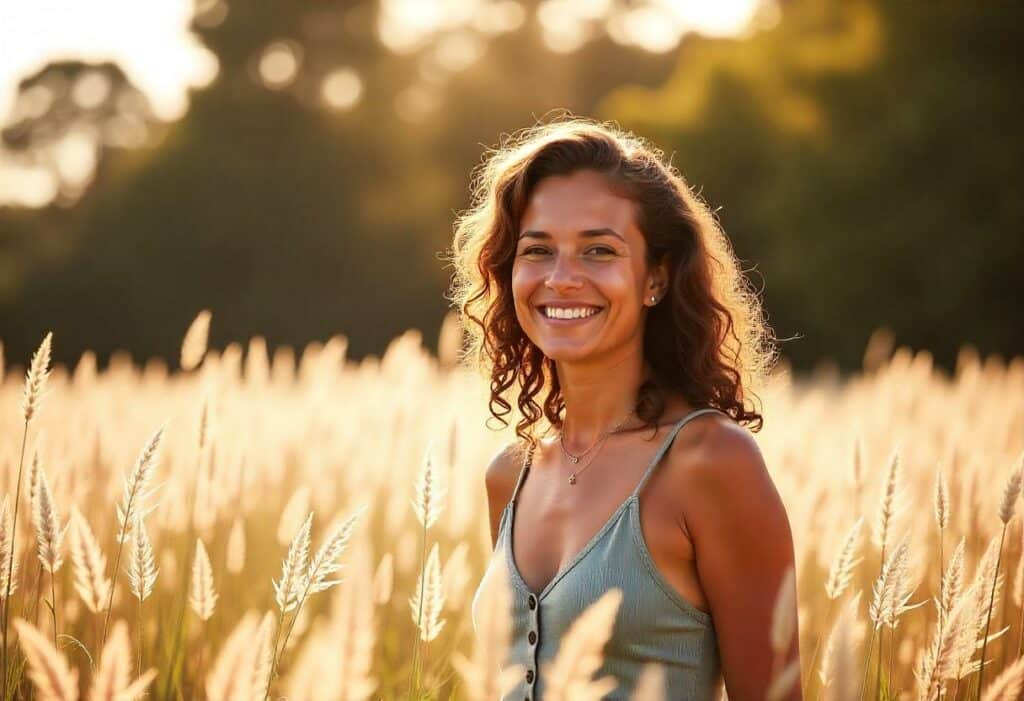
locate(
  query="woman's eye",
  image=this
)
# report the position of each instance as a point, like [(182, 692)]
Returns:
[(600, 250)]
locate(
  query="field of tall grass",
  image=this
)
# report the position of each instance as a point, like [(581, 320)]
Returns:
[(301, 526)]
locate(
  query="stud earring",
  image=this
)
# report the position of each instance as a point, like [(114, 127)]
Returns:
[(653, 299)]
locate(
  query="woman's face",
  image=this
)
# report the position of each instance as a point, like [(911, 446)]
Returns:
[(581, 255)]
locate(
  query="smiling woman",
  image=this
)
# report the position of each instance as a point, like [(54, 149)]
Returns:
[(589, 274)]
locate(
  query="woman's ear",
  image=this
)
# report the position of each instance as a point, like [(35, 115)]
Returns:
[(657, 280)]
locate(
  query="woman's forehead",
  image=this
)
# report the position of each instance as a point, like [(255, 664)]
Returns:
[(568, 204)]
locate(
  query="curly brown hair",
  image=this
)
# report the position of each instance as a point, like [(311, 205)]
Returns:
[(722, 346)]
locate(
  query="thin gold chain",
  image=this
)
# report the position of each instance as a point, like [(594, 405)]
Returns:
[(600, 442)]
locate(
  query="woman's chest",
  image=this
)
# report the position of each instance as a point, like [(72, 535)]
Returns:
[(551, 530)]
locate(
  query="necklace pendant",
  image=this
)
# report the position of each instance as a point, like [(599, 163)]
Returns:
[(572, 478), (574, 459)]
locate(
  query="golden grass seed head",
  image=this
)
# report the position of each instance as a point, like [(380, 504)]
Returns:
[(193, 346), (1010, 493), (35, 378), (941, 500)]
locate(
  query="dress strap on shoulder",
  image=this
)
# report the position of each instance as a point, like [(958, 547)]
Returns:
[(668, 442), (522, 472)]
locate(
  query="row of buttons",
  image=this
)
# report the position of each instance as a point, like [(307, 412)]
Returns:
[(532, 638)]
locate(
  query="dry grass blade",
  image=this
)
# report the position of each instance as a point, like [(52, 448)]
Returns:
[(429, 492), (384, 579), (835, 658), (46, 520), (941, 500), (431, 623), (1009, 685), (939, 660), (843, 680), (47, 667), (193, 347), (903, 587), (142, 570), (5, 550), (231, 678), (1010, 493), (1018, 576), (483, 675), (110, 681), (351, 633), (976, 604), (33, 472), (580, 653), (136, 482), (236, 547), (784, 614), (892, 502), (293, 514), (35, 378), (842, 567), (88, 563), (263, 656), (952, 580), (289, 588), (325, 561), (202, 596), (650, 685), (892, 588), (784, 682), (981, 585)]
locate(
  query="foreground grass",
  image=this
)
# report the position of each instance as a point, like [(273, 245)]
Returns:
[(256, 516)]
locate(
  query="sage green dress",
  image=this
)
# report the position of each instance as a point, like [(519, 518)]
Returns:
[(654, 624)]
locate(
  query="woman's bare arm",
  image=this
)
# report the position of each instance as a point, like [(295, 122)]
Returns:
[(743, 547)]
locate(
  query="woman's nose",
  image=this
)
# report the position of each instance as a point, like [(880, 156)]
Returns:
[(563, 275)]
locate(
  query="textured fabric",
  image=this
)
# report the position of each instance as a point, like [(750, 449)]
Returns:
[(653, 624)]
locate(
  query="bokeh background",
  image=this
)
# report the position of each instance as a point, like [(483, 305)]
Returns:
[(296, 167)]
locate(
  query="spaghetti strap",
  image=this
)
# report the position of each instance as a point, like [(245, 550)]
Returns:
[(668, 442), (522, 473)]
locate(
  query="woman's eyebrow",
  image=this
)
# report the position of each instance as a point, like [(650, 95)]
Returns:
[(586, 233)]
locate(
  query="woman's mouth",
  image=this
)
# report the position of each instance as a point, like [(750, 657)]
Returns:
[(562, 316)]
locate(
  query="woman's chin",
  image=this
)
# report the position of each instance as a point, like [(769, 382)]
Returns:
[(567, 351)]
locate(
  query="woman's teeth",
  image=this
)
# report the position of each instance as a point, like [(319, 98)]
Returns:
[(570, 313)]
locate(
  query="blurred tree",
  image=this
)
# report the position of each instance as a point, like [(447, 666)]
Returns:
[(287, 217), (311, 186), (867, 157)]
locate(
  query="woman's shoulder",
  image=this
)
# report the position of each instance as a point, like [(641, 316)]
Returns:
[(714, 447), (503, 470)]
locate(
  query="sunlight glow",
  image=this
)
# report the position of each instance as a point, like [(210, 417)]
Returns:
[(653, 25), (499, 17), (341, 89), (457, 52), (279, 64), (718, 18), (90, 90), (150, 41)]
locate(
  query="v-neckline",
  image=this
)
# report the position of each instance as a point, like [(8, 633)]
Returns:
[(514, 567), (631, 499)]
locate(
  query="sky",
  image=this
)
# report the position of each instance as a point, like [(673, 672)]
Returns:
[(149, 40)]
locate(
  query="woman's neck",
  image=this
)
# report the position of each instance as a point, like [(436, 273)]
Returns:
[(598, 398)]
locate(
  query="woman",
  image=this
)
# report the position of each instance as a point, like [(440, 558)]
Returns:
[(594, 281)]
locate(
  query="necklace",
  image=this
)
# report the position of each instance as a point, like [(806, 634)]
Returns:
[(599, 442)]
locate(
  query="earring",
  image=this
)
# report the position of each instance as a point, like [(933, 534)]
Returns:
[(653, 299)]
